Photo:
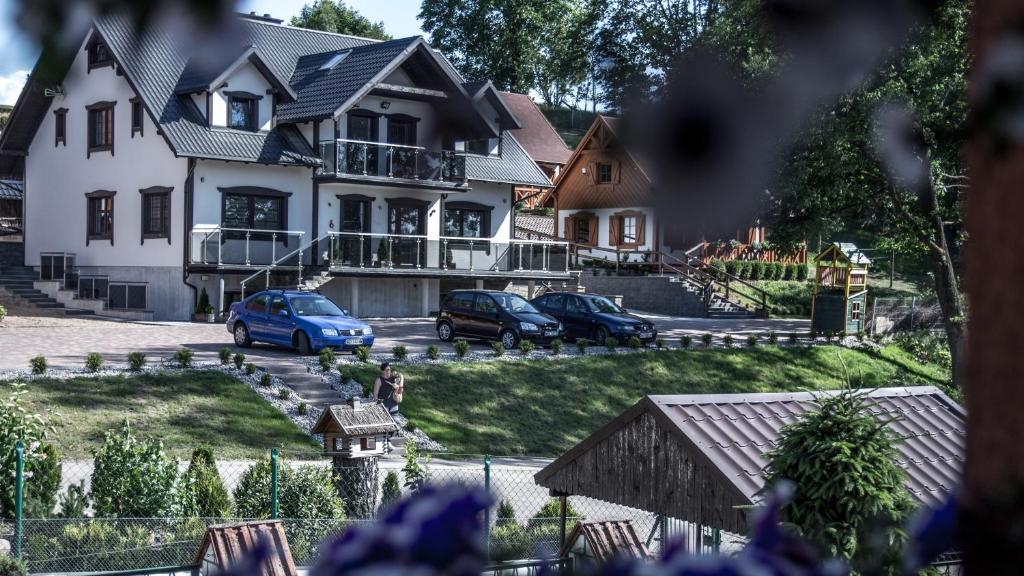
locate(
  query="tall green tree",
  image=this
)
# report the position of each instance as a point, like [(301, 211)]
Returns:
[(335, 16), (518, 44)]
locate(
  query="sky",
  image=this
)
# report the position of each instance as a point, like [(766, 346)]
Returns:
[(19, 53)]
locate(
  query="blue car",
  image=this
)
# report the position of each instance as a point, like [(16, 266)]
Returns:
[(306, 321), (594, 317)]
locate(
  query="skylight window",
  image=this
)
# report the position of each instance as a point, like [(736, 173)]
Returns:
[(335, 60)]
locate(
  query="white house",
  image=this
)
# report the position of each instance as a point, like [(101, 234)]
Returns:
[(152, 174)]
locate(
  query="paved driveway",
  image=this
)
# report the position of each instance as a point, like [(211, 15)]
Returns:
[(66, 341)]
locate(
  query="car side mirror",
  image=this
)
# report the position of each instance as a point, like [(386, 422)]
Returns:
[(345, 311), (283, 313)]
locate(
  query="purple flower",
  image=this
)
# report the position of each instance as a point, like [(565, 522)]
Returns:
[(932, 531)]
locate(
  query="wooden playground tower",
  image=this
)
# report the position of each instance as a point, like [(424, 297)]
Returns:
[(840, 290)]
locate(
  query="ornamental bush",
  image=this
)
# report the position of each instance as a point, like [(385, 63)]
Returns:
[(717, 267), (266, 379), (42, 486), (225, 356), (17, 422), (250, 368), (706, 339), (302, 409), (183, 356), (556, 346), (727, 340), (773, 338), (391, 491), (842, 441), (10, 566), (526, 347), (400, 353), (634, 342), (433, 352), (136, 361), (327, 359), (461, 348), (94, 361), (252, 494), (133, 478), (732, 267), (239, 360), (3, 313), (751, 340), (202, 491), (611, 343), (362, 353), (284, 393), (581, 345), (38, 364), (790, 273), (498, 348), (801, 272)]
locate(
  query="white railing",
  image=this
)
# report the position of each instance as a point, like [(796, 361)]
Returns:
[(214, 245), (359, 158), (447, 253)]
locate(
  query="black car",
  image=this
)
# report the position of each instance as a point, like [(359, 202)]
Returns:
[(594, 317), (492, 315)]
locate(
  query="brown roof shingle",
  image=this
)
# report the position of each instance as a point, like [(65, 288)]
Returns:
[(607, 540), (233, 542), (537, 136)]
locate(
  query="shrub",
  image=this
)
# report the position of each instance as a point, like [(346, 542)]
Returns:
[(433, 352), (727, 340), (17, 422), (94, 361), (779, 270), (731, 267), (73, 501), (461, 348), (926, 347), (499, 348), (506, 513), (706, 339), (556, 346), (11, 566), (204, 302), (801, 272), (526, 347), (239, 360), (132, 478), (266, 379), (860, 336), (790, 272), (327, 359), (410, 425), (841, 439), (202, 491), (581, 345), (136, 361), (93, 543), (391, 492), (302, 409), (773, 338), (549, 517), (751, 340), (308, 493), (252, 494), (685, 341), (38, 364), (793, 337), (611, 343), (634, 342), (416, 468), (659, 343), (250, 368), (743, 269), (225, 356), (183, 356), (717, 267), (362, 353), (284, 393), (510, 541), (3, 313)]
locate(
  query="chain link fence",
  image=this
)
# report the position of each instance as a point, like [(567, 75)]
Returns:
[(890, 315), (524, 524)]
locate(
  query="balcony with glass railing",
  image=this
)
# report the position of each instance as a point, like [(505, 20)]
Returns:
[(241, 248), (395, 253), (382, 162)]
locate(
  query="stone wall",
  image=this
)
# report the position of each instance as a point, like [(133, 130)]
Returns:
[(655, 294)]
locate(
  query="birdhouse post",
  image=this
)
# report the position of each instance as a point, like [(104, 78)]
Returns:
[(355, 436), (840, 290)]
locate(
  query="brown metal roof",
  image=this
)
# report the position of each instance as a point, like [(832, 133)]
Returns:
[(607, 540), (724, 438), (232, 542), (367, 419), (537, 136)]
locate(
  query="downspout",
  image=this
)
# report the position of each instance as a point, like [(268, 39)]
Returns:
[(187, 221)]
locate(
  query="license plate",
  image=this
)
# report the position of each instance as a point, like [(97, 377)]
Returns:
[(353, 340), (645, 334), (551, 332)]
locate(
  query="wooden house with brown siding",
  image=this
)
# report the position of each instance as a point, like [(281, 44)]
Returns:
[(603, 197)]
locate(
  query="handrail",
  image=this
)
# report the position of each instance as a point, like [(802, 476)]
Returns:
[(269, 267), (411, 147)]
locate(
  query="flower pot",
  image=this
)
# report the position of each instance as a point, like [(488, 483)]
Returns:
[(199, 317), (211, 317)]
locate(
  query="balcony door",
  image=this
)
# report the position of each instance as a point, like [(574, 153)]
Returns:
[(353, 247), (407, 217), (362, 153), (402, 133)]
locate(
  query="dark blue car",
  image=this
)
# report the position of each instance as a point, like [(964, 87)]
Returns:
[(594, 317), (306, 321)]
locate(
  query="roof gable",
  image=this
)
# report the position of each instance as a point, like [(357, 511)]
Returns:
[(537, 135), (201, 77), (367, 419), (724, 438)]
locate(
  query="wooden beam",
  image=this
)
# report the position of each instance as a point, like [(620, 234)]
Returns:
[(411, 90)]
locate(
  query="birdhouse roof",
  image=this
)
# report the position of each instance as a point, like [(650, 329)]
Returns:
[(607, 540), (367, 420), (232, 542)]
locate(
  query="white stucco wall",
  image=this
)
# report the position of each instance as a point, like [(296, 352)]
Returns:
[(427, 129), (58, 177), (245, 79), (603, 215)]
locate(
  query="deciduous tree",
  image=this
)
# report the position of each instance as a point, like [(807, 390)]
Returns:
[(335, 16)]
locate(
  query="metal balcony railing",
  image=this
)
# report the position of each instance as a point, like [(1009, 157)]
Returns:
[(358, 158), (214, 245)]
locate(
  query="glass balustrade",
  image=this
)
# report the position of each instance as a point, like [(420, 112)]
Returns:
[(356, 158)]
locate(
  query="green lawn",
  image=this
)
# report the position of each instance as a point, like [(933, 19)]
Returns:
[(794, 298), (184, 410), (544, 407)]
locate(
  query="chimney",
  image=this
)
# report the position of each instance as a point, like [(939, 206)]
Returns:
[(267, 15), (355, 403)]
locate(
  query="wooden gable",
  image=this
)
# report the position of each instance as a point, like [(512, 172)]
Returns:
[(578, 186)]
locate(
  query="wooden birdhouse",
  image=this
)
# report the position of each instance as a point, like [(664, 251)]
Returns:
[(840, 290), (356, 430)]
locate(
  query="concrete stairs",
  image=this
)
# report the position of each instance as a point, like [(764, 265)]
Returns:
[(306, 385), (720, 306), (18, 281)]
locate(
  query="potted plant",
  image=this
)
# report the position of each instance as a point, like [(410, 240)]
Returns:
[(203, 308), (211, 316)]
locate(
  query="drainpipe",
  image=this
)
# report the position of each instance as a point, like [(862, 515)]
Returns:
[(187, 221)]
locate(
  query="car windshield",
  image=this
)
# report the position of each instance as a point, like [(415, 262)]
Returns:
[(315, 306), (513, 303), (603, 305)]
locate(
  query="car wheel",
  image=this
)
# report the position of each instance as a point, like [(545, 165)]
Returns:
[(600, 335), (445, 332), (509, 339), (302, 343), (242, 339)]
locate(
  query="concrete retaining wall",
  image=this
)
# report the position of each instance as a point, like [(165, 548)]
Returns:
[(655, 294)]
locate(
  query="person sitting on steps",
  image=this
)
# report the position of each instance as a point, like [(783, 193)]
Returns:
[(388, 388)]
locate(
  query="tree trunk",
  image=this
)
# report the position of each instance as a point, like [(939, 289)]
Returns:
[(356, 480)]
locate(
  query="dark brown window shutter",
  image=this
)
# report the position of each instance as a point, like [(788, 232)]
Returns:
[(614, 239), (641, 230), (592, 169), (569, 232), (592, 225), (616, 171)]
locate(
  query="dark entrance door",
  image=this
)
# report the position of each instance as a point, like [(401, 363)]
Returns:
[(362, 153)]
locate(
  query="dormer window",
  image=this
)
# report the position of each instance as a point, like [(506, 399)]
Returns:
[(99, 55), (243, 111)]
